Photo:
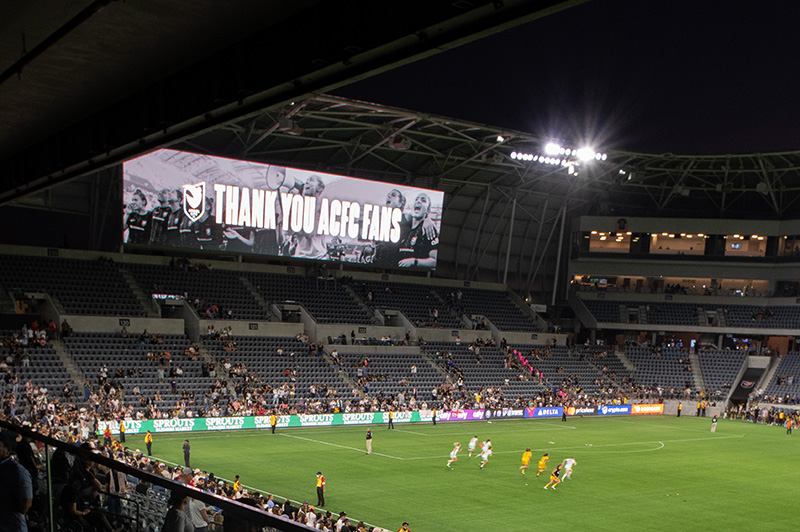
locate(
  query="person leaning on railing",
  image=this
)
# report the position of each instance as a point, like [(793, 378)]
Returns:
[(176, 519), (16, 491)]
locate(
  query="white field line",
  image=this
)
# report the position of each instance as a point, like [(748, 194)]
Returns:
[(416, 433), (362, 451)]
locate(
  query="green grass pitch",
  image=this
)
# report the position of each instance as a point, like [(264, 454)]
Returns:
[(640, 473)]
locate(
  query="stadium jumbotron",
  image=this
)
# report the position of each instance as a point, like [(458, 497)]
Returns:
[(234, 298)]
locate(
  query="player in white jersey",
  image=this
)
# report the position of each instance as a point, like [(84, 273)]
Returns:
[(454, 454), (486, 452), (472, 444), (568, 463)]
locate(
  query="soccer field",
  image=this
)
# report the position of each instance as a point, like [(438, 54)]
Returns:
[(642, 473)]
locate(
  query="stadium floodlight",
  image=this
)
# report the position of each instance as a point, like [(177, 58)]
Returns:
[(551, 148), (500, 138), (568, 158), (585, 154)]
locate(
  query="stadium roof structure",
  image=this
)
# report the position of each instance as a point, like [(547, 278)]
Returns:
[(489, 194)]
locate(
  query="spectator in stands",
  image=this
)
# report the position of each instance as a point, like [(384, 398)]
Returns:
[(66, 329), (176, 519), (16, 488)]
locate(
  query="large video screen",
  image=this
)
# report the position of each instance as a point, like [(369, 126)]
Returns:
[(192, 201)]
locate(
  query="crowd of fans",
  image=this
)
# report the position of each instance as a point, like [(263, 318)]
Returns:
[(240, 391), (89, 497)]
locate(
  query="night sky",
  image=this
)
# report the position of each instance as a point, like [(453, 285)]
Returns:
[(687, 77)]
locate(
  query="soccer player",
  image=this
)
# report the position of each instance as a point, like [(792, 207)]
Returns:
[(554, 480), (472, 444), (789, 427), (543, 463), (454, 454), (714, 424), (568, 463), (486, 452), (526, 459)]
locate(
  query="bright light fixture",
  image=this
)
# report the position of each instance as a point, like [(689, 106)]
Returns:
[(585, 154), (551, 148)]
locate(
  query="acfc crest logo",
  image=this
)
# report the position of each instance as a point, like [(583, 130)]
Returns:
[(194, 204)]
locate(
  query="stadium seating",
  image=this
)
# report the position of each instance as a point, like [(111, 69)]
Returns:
[(496, 305), (43, 370), (260, 357), (80, 286), (690, 314), (661, 367), (720, 369), (606, 311), (92, 351), (212, 287), (490, 371), (391, 373), (782, 317), (415, 301), (324, 298), (786, 380)]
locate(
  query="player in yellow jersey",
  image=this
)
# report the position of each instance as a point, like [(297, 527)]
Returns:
[(543, 464), (526, 459)]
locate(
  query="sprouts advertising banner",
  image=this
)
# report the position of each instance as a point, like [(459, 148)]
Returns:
[(160, 426), (186, 200)]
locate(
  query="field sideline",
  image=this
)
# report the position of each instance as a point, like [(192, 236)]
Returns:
[(653, 473)]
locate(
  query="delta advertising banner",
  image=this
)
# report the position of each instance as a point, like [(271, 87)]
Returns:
[(187, 200), (647, 409), (547, 411), (614, 410)]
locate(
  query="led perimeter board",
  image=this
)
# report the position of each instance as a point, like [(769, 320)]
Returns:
[(175, 199)]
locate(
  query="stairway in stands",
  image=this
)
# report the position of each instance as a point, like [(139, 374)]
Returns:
[(75, 373), (150, 307)]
